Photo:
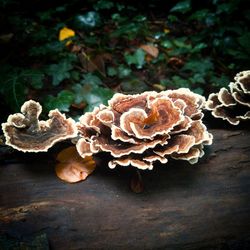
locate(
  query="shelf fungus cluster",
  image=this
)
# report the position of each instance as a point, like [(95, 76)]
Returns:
[(136, 130), (140, 129), (24, 132), (232, 105)]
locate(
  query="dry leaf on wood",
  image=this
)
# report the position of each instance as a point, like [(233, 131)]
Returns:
[(136, 183), (150, 50), (71, 167)]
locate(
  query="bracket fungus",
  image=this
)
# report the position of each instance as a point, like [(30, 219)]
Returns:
[(136, 130), (24, 132), (232, 105), (140, 129)]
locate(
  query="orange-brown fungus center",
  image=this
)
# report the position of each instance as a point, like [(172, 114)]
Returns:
[(152, 118)]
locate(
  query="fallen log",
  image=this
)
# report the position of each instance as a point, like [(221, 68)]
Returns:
[(202, 206)]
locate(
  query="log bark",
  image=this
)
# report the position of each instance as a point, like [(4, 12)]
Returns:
[(202, 206)]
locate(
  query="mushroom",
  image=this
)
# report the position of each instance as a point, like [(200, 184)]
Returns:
[(73, 168), (140, 129), (135, 130), (232, 105), (24, 132)]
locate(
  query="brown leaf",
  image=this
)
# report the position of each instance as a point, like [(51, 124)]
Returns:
[(72, 167), (175, 62), (136, 183), (150, 50), (81, 105), (159, 87), (97, 63), (92, 63), (5, 38), (75, 48)]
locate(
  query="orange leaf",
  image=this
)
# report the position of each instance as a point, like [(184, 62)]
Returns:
[(151, 50), (81, 105), (166, 30), (72, 167), (65, 33)]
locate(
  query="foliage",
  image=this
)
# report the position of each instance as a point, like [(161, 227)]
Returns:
[(75, 55)]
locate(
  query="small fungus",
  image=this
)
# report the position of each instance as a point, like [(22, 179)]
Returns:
[(140, 129), (73, 168), (24, 132), (232, 105)]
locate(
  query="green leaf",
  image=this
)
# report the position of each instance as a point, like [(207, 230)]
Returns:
[(79, 93), (199, 15), (37, 81), (75, 75), (197, 78), (138, 58), (62, 101), (15, 94), (181, 43), (33, 77), (244, 41), (201, 66), (91, 92), (98, 96), (103, 4), (60, 71), (140, 18), (134, 86), (198, 47), (219, 81), (49, 48), (87, 21), (227, 8), (124, 71), (13, 88), (164, 82), (111, 71), (167, 44), (172, 18), (182, 7), (93, 95), (117, 17), (129, 29), (211, 19), (181, 46), (120, 6), (237, 54), (91, 79), (179, 82), (199, 91)]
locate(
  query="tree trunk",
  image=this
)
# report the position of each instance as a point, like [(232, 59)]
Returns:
[(202, 206)]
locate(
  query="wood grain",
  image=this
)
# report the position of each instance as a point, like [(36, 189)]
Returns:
[(202, 206)]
